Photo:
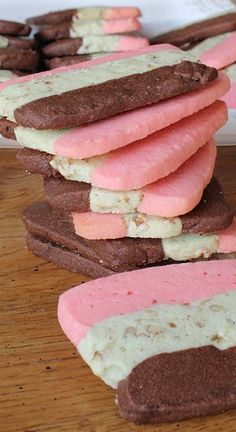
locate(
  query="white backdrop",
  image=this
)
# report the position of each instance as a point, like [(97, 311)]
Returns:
[(158, 15)]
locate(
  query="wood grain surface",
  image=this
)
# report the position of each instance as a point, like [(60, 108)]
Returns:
[(45, 386)]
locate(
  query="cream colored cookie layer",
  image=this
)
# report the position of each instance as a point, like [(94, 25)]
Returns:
[(105, 201), (82, 28), (3, 42), (98, 43), (77, 170), (113, 347), (14, 96), (139, 225), (88, 13), (190, 246)]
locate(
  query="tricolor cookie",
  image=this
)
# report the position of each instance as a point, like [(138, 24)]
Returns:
[(175, 195), (16, 42), (87, 13), (83, 29), (218, 51), (150, 75), (90, 44), (52, 236), (19, 59), (95, 315), (185, 37), (153, 157), (14, 28), (110, 134)]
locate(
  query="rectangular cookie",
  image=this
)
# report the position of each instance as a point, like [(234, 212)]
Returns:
[(198, 31), (123, 129), (86, 13), (80, 28), (105, 83), (55, 230)]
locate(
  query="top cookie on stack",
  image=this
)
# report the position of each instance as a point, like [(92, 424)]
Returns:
[(17, 54), (73, 33)]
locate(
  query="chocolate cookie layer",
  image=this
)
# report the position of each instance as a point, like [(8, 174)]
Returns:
[(112, 97), (14, 28), (54, 32), (20, 43), (7, 128), (212, 214), (12, 59), (36, 162), (56, 229), (63, 47), (198, 31), (64, 258), (53, 17), (65, 61), (180, 385)]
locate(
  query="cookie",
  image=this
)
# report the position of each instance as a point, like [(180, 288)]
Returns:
[(156, 311), (87, 13), (198, 31), (88, 28), (117, 170), (13, 59), (20, 43), (13, 28), (104, 85), (56, 230), (175, 195), (217, 51), (180, 385), (212, 214), (111, 134)]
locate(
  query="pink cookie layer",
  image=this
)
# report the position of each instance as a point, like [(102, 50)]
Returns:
[(90, 63), (222, 54), (182, 190), (230, 97), (99, 226), (129, 43), (121, 26), (118, 131), (161, 153), (84, 306), (227, 239), (122, 12)]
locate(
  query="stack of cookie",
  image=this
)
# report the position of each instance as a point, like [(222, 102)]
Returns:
[(125, 145), (18, 55), (213, 41), (75, 35)]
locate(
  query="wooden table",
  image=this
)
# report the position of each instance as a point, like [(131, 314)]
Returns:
[(45, 386)]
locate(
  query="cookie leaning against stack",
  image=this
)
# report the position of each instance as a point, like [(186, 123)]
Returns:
[(125, 178), (69, 36), (163, 337), (17, 54)]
